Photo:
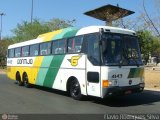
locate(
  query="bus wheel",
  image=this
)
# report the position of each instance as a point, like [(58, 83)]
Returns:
[(18, 79), (25, 80), (75, 90)]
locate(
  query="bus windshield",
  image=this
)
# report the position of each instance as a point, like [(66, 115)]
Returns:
[(120, 49)]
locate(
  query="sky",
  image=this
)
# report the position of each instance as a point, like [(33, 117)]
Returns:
[(17, 11)]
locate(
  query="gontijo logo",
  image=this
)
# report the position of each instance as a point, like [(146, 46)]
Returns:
[(4, 116), (24, 61), (74, 60)]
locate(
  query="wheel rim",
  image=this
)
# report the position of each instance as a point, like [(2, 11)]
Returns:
[(75, 89), (25, 80), (18, 80)]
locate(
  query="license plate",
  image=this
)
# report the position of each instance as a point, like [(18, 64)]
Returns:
[(128, 92)]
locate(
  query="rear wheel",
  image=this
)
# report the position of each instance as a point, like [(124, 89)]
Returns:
[(75, 90), (25, 80), (18, 79)]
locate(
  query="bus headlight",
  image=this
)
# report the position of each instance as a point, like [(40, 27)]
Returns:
[(113, 82)]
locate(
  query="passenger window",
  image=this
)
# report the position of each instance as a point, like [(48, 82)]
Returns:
[(45, 48), (34, 50), (17, 52), (75, 44), (11, 53), (25, 51), (62, 49), (55, 47), (58, 47)]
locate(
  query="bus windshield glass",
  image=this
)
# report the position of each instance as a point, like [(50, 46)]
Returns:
[(120, 49)]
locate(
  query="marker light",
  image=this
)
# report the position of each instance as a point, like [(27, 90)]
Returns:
[(105, 83)]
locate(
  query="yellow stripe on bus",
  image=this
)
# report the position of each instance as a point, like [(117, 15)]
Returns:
[(31, 71), (35, 69), (49, 36)]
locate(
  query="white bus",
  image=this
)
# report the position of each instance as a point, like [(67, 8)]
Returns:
[(97, 61)]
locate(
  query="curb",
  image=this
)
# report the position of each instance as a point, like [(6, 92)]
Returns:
[(1, 72), (153, 91)]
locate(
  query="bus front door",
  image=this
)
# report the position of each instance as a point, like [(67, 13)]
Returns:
[(93, 80), (93, 65)]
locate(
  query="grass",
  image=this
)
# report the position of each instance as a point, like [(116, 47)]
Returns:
[(152, 79)]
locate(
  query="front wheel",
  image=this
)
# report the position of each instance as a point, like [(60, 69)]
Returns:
[(75, 90)]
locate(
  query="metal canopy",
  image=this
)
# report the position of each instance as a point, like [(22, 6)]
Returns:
[(109, 13)]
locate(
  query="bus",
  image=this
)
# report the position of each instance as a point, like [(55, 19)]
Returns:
[(95, 61)]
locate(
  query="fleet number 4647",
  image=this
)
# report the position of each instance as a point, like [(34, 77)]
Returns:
[(117, 76)]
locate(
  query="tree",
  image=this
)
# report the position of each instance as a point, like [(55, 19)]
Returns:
[(150, 21), (156, 48), (56, 23), (26, 30), (144, 21), (3, 50), (148, 44)]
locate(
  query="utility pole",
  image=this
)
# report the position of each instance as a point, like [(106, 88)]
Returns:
[(1, 14), (32, 12)]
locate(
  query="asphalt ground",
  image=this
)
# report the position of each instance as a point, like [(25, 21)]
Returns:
[(16, 99)]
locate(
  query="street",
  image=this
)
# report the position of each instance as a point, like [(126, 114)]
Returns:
[(38, 100)]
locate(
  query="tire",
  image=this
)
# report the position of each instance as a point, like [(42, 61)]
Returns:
[(75, 90), (25, 81), (18, 80)]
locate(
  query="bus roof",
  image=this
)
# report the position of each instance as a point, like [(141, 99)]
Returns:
[(70, 32)]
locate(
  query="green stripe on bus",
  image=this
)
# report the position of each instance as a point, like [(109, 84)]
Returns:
[(47, 75), (136, 72), (53, 70), (57, 60), (69, 31), (43, 70)]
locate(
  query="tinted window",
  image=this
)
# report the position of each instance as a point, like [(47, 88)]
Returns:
[(17, 52), (121, 49), (11, 53), (25, 51), (75, 44), (62, 46), (93, 48), (58, 47), (93, 77), (34, 50), (45, 48), (55, 47)]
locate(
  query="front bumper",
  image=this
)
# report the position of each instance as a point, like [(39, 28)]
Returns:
[(113, 91)]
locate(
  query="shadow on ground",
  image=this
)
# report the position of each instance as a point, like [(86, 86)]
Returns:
[(147, 97)]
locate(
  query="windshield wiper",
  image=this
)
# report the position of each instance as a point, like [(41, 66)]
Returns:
[(134, 59), (125, 55)]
